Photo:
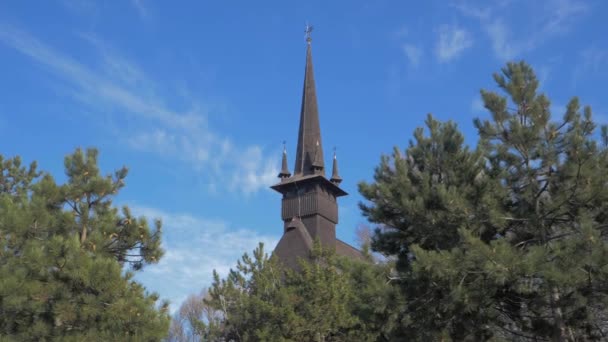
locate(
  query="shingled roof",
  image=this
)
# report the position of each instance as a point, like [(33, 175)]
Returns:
[(295, 243)]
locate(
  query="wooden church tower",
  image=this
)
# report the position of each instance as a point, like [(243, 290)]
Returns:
[(309, 207)]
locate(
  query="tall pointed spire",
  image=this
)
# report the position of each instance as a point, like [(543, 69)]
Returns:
[(309, 153), (335, 175), (284, 169), (308, 195)]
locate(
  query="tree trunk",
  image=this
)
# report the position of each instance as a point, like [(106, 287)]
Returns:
[(83, 234), (562, 332)]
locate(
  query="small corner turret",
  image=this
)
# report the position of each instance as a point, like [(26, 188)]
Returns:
[(284, 174)]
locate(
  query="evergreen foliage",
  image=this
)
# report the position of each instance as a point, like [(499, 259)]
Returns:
[(507, 241), (328, 299), (63, 252)]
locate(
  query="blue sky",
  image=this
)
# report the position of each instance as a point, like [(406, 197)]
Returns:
[(196, 97)]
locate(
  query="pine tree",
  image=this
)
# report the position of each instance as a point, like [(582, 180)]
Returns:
[(250, 301), (375, 303), (421, 198), (323, 296), (512, 245), (63, 249), (328, 299)]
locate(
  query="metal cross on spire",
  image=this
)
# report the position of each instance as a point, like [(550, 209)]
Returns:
[(308, 32)]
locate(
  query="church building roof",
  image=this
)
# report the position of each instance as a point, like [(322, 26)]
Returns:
[(309, 205)]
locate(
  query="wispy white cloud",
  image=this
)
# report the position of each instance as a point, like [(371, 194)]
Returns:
[(477, 105), (99, 85), (141, 8), (452, 42), (402, 32), (179, 131), (560, 15), (543, 74), (194, 247), (591, 61), (594, 59), (413, 54), (542, 21), (82, 7), (503, 44), (469, 9), (257, 172)]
